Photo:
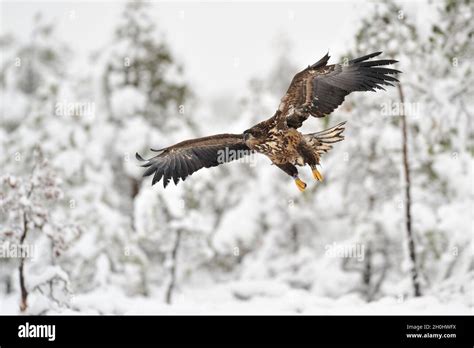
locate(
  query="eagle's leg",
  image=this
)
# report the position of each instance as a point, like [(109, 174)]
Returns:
[(291, 170), (316, 174), (311, 158)]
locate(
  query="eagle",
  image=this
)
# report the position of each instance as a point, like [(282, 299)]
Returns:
[(315, 91)]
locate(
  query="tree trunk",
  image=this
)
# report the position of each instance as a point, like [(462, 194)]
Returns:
[(367, 272), (406, 167), (24, 292), (174, 255)]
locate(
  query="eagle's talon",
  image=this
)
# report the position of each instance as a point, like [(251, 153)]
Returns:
[(317, 175), (300, 184)]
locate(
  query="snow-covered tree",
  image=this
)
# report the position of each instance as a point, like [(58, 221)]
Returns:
[(427, 120), (37, 232)]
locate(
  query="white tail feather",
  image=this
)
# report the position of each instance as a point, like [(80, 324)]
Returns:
[(322, 141)]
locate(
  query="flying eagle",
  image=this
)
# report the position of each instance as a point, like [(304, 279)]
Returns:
[(316, 91)]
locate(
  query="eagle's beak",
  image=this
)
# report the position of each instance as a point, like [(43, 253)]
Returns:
[(247, 136)]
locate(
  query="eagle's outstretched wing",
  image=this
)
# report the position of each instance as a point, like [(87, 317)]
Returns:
[(183, 159), (320, 88)]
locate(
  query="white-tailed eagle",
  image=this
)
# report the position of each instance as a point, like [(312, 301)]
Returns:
[(316, 91)]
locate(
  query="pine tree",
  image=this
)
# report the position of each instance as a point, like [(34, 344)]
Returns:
[(386, 29), (430, 96), (33, 75)]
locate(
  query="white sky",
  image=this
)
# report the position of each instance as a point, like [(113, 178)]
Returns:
[(221, 45)]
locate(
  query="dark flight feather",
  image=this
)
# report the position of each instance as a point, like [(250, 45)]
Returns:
[(319, 89), (183, 159)]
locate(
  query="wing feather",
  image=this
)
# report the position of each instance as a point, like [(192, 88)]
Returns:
[(177, 170), (319, 89), (183, 159), (157, 176)]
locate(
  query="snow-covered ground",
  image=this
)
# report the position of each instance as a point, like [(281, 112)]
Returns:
[(246, 298)]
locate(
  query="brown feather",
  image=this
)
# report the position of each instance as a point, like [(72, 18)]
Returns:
[(183, 159), (319, 89)]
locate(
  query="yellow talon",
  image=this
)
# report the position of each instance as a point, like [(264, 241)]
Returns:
[(317, 175), (300, 184)]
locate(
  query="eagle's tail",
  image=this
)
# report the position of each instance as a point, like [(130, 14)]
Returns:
[(322, 141)]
